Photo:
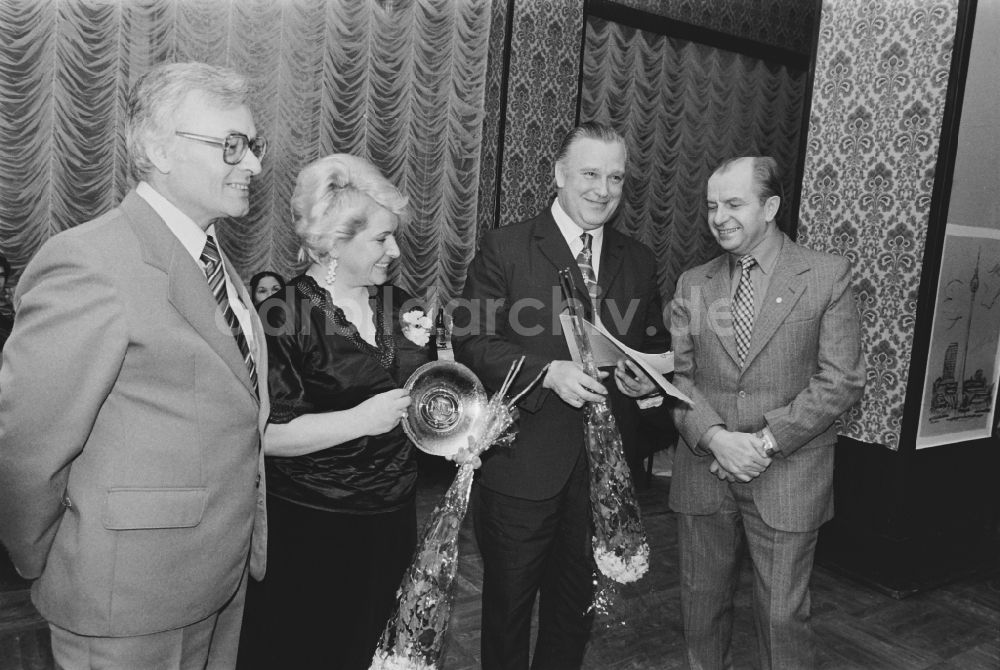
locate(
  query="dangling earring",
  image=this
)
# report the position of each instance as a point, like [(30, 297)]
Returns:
[(331, 271)]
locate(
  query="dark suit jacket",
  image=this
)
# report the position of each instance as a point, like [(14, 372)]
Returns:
[(803, 370), (511, 306), (129, 432)]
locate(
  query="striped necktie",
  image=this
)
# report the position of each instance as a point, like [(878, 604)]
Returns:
[(743, 308), (217, 283), (584, 260)]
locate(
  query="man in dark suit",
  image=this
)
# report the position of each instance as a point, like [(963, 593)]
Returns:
[(131, 411), (767, 344), (532, 512)]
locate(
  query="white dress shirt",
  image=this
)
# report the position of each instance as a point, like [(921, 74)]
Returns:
[(572, 233)]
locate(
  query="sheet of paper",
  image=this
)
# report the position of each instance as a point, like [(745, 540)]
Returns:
[(608, 350)]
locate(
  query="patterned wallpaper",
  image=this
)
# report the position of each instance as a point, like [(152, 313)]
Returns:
[(541, 102), (781, 23), (878, 100)]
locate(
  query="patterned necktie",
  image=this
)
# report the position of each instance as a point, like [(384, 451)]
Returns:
[(217, 283), (743, 308), (583, 259)]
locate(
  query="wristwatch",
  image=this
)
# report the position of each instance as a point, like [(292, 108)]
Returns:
[(770, 449)]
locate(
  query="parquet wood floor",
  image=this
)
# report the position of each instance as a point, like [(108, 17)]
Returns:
[(955, 627)]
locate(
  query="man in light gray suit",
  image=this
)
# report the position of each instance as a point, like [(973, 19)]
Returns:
[(133, 400), (767, 345)]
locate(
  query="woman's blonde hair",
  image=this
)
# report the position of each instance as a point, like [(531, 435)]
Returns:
[(327, 191)]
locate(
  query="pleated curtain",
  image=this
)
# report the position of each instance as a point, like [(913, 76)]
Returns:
[(400, 82), (683, 108)]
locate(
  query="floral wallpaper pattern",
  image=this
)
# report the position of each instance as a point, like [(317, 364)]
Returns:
[(541, 101), (878, 100)]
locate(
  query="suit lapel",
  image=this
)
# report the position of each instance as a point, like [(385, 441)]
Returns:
[(783, 291), (717, 292), (553, 247), (612, 256), (187, 290)]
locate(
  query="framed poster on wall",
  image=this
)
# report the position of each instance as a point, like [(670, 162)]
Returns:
[(963, 361)]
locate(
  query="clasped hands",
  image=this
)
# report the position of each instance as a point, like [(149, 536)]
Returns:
[(738, 456), (576, 387)]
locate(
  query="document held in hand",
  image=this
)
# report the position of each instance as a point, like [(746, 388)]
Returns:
[(608, 351)]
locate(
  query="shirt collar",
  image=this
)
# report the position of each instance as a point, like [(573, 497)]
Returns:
[(765, 253), (180, 224), (570, 231)]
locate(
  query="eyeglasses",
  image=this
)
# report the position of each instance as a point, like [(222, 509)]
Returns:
[(234, 145)]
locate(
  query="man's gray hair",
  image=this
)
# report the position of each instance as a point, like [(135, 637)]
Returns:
[(593, 130), (151, 108)]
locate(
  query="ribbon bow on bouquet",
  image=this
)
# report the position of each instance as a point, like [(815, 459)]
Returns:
[(621, 549), (414, 636)]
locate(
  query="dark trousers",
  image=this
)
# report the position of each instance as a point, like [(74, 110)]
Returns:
[(711, 549), (532, 546), (330, 587)]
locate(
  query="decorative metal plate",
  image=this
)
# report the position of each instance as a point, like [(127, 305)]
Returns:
[(448, 405)]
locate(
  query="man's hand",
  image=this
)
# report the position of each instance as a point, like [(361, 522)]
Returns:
[(572, 384), (720, 472), (740, 454), (631, 379)]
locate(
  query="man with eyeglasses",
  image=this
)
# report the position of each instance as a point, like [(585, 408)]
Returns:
[(134, 398)]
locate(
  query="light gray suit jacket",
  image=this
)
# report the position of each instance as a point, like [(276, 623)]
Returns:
[(130, 462), (804, 369)]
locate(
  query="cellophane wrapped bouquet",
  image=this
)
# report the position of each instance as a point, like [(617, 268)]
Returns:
[(621, 550), (414, 636)]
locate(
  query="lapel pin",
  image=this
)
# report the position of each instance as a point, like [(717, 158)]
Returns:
[(777, 300)]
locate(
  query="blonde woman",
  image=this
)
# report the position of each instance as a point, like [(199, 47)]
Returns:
[(341, 473)]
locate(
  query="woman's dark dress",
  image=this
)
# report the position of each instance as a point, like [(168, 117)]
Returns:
[(341, 521)]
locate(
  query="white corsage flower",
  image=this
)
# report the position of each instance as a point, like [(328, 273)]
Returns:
[(417, 327)]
